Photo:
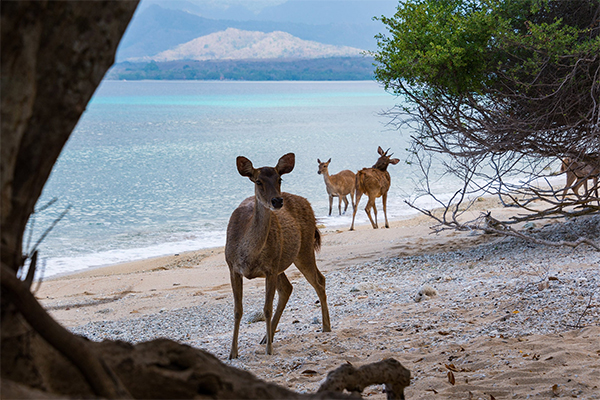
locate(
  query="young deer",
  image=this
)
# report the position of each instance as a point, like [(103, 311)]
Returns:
[(578, 174), (374, 182), (339, 185), (266, 234)]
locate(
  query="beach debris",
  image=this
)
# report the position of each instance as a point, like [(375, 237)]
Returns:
[(425, 293), (529, 225), (451, 378), (256, 316)]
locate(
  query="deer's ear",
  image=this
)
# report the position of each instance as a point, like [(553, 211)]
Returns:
[(380, 150), (328, 161), (394, 161), (286, 163), (244, 167), (319, 161)]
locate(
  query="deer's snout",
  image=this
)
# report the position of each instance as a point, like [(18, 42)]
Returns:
[(277, 202)]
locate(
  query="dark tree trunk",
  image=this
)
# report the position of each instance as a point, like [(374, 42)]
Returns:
[(54, 55)]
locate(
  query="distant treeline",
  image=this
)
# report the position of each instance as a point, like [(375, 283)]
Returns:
[(322, 69)]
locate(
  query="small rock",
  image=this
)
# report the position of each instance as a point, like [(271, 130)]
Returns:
[(256, 316), (529, 225), (425, 292)]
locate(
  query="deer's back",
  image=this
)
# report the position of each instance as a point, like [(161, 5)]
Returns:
[(373, 181), (578, 168), (298, 214), (343, 182)]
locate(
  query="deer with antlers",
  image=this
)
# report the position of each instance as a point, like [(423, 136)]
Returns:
[(339, 185), (374, 182), (578, 174), (265, 235)]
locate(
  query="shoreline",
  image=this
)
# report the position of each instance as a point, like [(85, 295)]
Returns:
[(147, 263)]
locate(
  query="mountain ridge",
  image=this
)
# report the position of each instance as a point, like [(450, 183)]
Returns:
[(236, 44), (156, 29)]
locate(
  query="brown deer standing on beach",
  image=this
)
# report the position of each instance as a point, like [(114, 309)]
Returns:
[(374, 182), (578, 174), (266, 234), (339, 185)]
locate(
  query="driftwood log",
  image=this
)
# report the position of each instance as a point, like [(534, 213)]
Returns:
[(388, 372), (54, 55)]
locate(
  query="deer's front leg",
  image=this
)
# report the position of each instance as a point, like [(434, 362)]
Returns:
[(237, 286), (270, 287)]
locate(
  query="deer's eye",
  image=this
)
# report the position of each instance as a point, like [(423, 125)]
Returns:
[(258, 183)]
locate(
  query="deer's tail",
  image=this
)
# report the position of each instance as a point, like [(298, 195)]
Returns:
[(317, 239)]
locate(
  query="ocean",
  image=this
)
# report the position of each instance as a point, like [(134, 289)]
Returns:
[(150, 168)]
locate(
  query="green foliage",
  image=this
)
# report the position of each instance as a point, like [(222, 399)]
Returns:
[(442, 44), (465, 47)]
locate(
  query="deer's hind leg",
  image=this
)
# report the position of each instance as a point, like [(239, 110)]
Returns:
[(345, 198), (237, 285), (358, 194), (384, 202), (307, 264), (284, 290), (371, 205)]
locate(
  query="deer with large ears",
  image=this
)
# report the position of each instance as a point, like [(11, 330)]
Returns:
[(338, 185), (266, 234), (374, 182)]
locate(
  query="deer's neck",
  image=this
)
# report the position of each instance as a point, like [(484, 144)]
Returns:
[(259, 228), (326, 177)]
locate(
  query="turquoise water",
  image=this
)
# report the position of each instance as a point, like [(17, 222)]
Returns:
[(150, 168)]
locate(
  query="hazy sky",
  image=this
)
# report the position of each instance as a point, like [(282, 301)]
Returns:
[(321, 11)]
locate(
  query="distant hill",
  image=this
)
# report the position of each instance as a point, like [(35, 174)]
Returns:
[(284, 33), (235, 44), (337, 68), (156, 27)]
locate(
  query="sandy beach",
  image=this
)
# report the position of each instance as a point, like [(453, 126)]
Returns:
[(472, 316)]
